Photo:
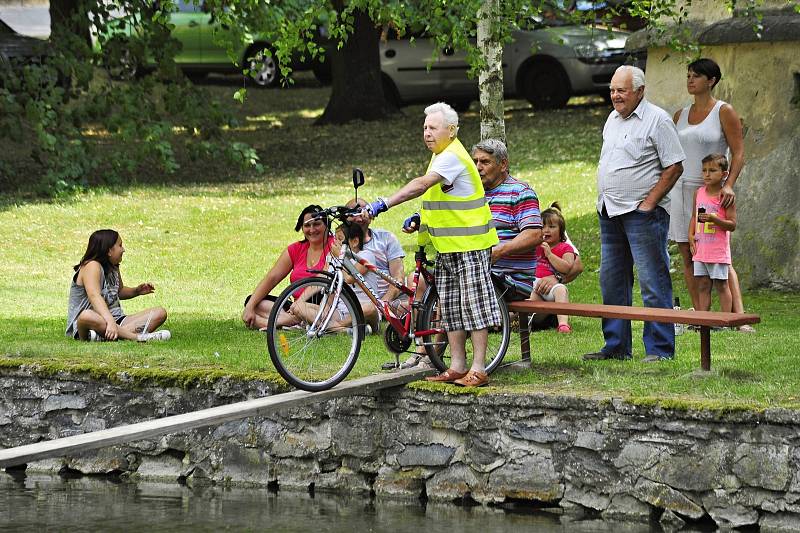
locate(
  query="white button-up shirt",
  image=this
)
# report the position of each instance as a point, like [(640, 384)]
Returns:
[(636, 150)]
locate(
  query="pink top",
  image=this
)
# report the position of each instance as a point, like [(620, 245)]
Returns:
[(543, 266), (298, 253), (712, 242)]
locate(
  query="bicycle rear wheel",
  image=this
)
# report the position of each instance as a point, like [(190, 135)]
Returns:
[(306, 355), (436, 345)]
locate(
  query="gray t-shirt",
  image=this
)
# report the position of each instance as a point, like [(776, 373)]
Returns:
[(385, 247), (635, 152), (370, 277), (79, 301)]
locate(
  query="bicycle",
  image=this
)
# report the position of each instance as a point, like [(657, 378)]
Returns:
[(317, 354)]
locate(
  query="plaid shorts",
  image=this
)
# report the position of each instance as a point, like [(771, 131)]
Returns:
[(467, 301)]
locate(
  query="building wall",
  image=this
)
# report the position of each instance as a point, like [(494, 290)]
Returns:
[(762, 81), (715, 10)]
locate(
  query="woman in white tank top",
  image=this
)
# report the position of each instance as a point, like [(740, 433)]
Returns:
[(707, 126)]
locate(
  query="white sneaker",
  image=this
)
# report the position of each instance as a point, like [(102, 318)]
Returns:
[(95, 337), (160, 335)]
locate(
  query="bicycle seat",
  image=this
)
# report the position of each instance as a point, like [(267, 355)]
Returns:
[(509, 287)]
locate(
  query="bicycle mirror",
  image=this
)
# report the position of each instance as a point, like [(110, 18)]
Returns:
[(358, 177)]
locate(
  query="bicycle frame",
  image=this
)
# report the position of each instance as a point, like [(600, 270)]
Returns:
[(402, 325), (321, 320)]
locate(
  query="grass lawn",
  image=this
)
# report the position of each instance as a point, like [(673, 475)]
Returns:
[(207, 241)]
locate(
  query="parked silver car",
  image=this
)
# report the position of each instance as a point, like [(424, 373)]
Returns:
[(546, 66)]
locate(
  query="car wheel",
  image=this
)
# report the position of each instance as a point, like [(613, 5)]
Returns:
[(322, 71), (195, 76), (264, 68), (546, 86)]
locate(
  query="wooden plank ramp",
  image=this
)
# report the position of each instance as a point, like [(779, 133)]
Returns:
[(205, 417)]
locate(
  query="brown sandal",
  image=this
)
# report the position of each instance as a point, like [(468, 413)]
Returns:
[(473, 379), (448, 376)]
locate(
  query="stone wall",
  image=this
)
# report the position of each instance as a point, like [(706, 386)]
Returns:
[(582, 457), (34, 407)]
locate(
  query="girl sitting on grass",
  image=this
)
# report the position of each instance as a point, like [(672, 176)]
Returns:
[(94, 312), (554, 257)]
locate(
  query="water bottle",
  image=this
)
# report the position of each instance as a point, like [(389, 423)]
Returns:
[(679, 328)]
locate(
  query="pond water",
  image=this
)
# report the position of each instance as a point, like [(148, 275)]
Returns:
[(32, 502)]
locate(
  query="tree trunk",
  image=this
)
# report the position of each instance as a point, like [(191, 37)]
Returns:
[(69, 19), (357, 90), (70, 35), (490, 78)]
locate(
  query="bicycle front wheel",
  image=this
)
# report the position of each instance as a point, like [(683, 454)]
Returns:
[(436, 345), (316, 345)]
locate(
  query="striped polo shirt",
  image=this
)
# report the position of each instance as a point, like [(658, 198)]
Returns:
[(515, 207)]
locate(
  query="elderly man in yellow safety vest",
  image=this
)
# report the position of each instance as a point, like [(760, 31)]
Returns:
[(456, 219)]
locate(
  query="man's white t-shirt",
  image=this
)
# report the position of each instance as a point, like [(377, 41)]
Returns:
[(455, 177)]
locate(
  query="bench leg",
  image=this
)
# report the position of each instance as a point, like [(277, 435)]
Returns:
[(524, 337), (705, 348)]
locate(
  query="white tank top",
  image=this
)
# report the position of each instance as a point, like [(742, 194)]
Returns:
[(700, 140)]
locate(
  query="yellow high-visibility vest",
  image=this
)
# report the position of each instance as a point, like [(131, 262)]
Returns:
[(457, 223)]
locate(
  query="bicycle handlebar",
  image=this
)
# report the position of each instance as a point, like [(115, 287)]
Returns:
[(339, 212)]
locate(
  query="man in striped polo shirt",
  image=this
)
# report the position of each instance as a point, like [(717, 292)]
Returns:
[(515, 214), (517, 219)]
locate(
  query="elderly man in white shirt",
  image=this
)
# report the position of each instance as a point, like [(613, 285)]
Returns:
[(640, 161)]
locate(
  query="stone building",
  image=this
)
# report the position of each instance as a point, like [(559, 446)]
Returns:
[(761, 79)]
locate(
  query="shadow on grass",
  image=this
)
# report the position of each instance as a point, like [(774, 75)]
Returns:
[(277, 123)]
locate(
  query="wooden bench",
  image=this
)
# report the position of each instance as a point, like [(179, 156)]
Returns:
[(704, 319)]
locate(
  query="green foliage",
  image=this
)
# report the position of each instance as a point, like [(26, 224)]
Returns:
[(291, 24), (73, 126)]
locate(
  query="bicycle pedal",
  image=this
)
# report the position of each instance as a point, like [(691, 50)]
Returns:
[(390, 365)]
